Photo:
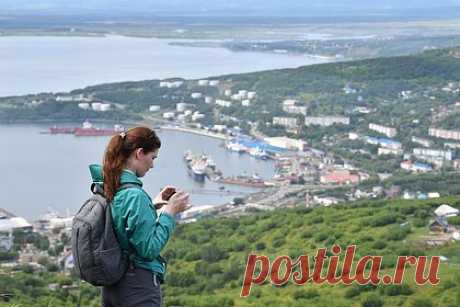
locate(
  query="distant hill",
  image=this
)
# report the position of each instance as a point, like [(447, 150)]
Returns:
[(200, 6)]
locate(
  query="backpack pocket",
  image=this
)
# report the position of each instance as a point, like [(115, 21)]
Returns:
[(113, 262)]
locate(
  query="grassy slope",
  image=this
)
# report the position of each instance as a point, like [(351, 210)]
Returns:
[(193, 281)]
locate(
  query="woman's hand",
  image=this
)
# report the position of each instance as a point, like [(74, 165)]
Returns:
[(162, 198), (178, 203)]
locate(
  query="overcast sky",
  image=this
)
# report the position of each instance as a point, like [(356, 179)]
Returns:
[(221, 5)]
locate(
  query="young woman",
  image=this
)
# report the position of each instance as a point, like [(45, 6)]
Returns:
[(139, 229)]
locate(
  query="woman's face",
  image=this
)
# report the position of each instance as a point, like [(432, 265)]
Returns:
[(144, 161)]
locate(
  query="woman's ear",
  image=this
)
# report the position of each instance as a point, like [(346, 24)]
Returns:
[(139, 153)]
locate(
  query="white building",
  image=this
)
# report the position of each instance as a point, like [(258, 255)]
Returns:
[(415, 167), (67, 98), (219, 128), (181, 106), (388, 131), (389, 151), (196, 95), (8, 224), (223, 103), (289, 102), (444, 134), (203, 82), (432, 153), (287, 143), (214, 82), (154, 108), (288, 122), (168, 115), (243, 93), (290, 106), (353, 136), (252, 95), (246, 103), (421, 141), (174, 84), (84, 105), (105, 107), (349, 90), (96, 106), (228, 93), (197, 116), (237, 97), (208, 100), (61, 222), (326, 120), (325, 201), (295, 109)]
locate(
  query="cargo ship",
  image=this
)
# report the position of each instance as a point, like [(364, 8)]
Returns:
[(236, 147), (86, 129), (259, 153), (61, 130), (253, 181), (196, 166)]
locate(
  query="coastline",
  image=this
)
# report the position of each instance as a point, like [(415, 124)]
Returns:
[(195, 131)]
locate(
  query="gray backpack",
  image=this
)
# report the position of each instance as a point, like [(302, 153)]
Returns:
[(97, 255)]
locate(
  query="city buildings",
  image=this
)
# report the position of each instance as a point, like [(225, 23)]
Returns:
[(288, 122), (444, 134), (326, 120), (388, 131)]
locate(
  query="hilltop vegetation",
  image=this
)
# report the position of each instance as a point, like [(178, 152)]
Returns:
[(207, 259)]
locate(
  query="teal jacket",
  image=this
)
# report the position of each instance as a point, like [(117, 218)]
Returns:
[(137, 225)]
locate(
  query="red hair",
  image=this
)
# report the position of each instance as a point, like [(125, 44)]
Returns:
[(118, 151)]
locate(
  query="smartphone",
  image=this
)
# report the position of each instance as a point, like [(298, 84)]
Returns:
[(166, 195)]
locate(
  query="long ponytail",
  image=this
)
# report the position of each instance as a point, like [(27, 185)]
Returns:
[(118, 151)]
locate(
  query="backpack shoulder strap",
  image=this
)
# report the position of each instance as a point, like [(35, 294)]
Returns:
[(96, 188)]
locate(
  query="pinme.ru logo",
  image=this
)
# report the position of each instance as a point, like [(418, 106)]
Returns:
[(362, 271)]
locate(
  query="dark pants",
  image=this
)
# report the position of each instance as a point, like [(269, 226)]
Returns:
[(138, 288)]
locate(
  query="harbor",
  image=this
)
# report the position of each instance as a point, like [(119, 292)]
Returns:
[(202, 167)]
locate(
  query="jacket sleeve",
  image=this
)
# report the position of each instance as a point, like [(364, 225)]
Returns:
[(147, 234)]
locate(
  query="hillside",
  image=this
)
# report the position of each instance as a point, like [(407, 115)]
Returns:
[(207, 259)]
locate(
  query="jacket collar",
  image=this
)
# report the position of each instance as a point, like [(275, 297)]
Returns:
[(127, 176)]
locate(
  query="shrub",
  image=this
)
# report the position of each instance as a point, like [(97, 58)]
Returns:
[(305, 294), (372, 301), (306, 234), (212, 253), (379, 245), (277, 242), (179, 279), (260, 246), (421, 302), (454, 220), (395, 290), (320, 237), (397, 233), (382, 220), (317, 219), (418, 222)]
